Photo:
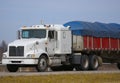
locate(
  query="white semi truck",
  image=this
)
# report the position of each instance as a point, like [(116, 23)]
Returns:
[(41, 46), (53, 46)]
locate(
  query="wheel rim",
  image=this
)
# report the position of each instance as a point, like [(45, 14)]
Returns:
[(86, 63), (43, 64)]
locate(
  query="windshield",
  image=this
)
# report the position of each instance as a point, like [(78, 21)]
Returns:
[(34, 33)]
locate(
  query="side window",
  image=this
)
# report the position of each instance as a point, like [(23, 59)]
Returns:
[(51, 34)]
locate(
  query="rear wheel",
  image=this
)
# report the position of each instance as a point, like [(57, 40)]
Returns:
[(42, 64), (100, 60), (84, 63), (93, 62), (118, 65), (12, 68)]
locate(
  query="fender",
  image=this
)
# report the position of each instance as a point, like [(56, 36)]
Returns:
[(43, 53)]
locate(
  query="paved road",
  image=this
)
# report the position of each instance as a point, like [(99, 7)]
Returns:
[(53, 73), (106, 68)]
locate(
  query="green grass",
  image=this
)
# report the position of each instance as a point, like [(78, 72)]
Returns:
[(64, 78)]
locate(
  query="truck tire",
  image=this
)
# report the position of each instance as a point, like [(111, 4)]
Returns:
[(84, 63), (42, 64), (118, 65), (12, 68), (100, 60), (93, 62)]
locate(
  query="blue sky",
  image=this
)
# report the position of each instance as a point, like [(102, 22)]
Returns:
[(17, 13)]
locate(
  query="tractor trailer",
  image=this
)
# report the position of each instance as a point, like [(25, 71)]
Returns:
[(76, 44)]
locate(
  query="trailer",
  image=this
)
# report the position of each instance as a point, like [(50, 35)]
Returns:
[(76, 44), (100, 39)]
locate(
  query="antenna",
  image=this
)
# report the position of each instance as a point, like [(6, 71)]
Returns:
[(41, 22)]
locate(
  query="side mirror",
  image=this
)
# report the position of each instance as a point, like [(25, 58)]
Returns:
[(18, 34), (51, 34)]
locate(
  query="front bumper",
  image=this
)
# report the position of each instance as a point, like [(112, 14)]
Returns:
[(22, 61)]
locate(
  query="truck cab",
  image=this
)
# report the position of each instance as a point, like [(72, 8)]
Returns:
[(39, 46)]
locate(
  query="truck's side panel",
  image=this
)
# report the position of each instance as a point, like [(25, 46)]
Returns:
[(114, 43), (77, 43), (105, 43), (64, 42), (90, 39), (88, 42), (85, 41), (96, 43), (91, 42), (100, 43), (119, 43)]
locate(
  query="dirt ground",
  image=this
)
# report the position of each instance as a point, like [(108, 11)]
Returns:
[(108, 67)]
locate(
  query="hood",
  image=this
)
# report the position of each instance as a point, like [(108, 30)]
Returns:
[(24, 42)]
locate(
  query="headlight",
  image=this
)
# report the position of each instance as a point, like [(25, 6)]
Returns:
[(4, 56), (31, 56)]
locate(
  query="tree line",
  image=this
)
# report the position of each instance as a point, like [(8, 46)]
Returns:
[(3, 48)]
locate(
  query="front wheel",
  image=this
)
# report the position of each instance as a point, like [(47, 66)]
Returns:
[(12, 68), (42, 64)]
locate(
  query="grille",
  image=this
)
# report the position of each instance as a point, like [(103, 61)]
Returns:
[(16, 51)]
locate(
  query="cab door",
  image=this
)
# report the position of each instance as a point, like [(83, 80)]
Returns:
[(51, 42)]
